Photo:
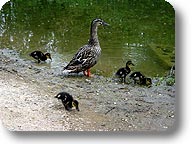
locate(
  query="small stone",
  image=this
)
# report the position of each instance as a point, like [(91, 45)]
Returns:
[(88, 81)]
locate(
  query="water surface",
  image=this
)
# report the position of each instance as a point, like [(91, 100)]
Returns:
[(140, 30)]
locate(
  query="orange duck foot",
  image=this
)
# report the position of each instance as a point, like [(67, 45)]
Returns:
[(87, 73)]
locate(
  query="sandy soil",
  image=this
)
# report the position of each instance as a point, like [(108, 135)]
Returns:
[(27, 102)]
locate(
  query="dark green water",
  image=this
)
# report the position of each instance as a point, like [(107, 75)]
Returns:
[(140, 30)]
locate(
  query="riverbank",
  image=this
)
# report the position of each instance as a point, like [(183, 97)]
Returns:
[(27, 91)]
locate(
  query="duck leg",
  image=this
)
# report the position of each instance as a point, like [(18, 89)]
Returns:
[(87, 73)]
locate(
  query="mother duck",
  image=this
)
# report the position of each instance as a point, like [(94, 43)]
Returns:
[(88, 55)]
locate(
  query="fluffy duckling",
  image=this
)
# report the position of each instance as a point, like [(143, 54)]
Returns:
[(123, 72), (137, 77), (140, 79), (146, 81), (88, 55), (40, 56), (68, 101)]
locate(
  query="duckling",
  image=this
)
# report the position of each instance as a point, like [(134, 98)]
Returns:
[(88, 55), (146, 82), (68, 101), (123, 72), (137, 77), (40, 56), (140, 79)]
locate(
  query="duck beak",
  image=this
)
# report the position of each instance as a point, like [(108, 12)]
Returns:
[(105, 24), (76, 106)]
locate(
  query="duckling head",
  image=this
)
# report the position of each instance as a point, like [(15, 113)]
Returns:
[(75, 103), (58, 96), (129, 62), (48, 55), (148, 81)]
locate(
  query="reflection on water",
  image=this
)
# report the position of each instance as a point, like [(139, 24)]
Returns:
[(143, 31)]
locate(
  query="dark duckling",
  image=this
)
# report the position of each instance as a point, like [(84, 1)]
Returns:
[(146, 82), (40, 56), (123, 72), (137, 77), (88, 55), (68, 101), (140, 79)]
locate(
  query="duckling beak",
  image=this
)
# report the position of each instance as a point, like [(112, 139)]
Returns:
[(77, 108)]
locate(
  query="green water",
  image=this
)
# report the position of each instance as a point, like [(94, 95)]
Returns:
[(140, 30)]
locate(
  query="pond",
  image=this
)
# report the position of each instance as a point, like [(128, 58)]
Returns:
[(140, 30)]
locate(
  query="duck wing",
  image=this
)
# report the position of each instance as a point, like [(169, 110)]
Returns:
[(82, 60), (121, 72), (37, 54)]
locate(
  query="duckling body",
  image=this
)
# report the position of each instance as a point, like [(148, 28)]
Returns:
[(40, 56), (137, 77), (140, 79), (123, 72), (88, 55), (67, 101)]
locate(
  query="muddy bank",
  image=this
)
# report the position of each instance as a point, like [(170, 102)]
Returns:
[(27, 92)]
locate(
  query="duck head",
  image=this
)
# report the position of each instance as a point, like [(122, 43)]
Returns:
[(148, 81), (48, 55), (98, 21), (75, 103), (129, 62)]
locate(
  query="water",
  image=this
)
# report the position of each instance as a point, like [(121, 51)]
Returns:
[(141, 31)]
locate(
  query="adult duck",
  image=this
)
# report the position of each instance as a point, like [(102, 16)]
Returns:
[(88, 55)]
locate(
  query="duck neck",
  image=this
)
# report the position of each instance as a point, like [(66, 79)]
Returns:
[(127, 67), (93, 35)]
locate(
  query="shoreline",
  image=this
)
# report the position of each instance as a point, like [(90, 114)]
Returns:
[(27, 100)]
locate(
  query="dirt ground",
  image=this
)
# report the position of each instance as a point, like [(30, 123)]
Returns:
[(27, 102)]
